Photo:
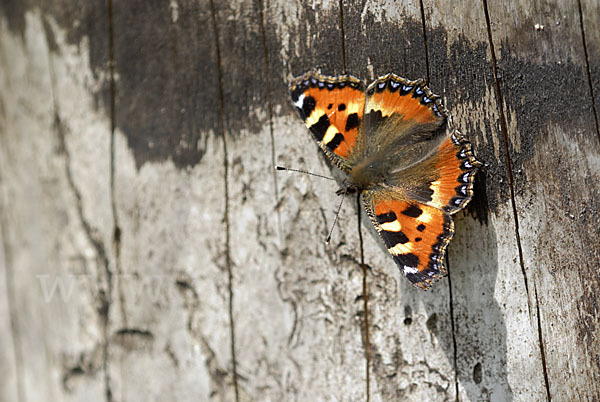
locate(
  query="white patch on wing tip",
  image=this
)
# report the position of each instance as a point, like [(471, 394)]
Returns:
[(410, 270), (300, 102)]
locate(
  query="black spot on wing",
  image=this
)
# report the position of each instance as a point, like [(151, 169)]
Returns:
[(409, 260), (296, 93), (393, 238), (421, 227), (308, 106), (320, 127), (413, 211), (335, 142), (341, 107), (387, 217), (352, 121)]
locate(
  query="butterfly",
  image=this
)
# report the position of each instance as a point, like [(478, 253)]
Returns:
[(411, 173)]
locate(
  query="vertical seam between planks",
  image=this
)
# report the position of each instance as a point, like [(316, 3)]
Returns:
[(343, 34), (425, 39), (365, 290), (226, 213), (10, 296), (453, 328), (450, 296), (504, 129), (106, 298), (365, 287), (113, 126), (541, 340), (107, 388), (588, 69), (269, 111), (511, 187)]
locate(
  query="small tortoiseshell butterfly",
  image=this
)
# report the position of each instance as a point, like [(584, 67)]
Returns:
[(410, 173)]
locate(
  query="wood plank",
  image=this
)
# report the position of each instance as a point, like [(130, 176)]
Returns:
[(590, 26), (169, 196), (57, 336), (10, 358), (517, 318), (384, 37), (411, 331), (294, 298), (301, 36), (549, 112), (496, 336)]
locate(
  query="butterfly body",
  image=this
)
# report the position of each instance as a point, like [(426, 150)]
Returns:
[(410, 173)]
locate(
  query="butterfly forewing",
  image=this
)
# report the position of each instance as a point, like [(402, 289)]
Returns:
[(332, 108)]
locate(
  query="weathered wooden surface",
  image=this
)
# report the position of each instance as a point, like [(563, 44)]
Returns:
[(137, 146)]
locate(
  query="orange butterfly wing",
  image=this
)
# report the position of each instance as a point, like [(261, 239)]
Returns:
[(416, 235), (411, 209), (332, 108), (412, 100)]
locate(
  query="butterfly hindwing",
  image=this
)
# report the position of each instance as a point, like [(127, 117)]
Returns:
[(457, 167), (444, 179), (416, 235), (332, 108)]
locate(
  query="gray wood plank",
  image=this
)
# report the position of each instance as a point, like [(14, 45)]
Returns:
[(293, 295), (57, 330), (411, 329), (554, 148), (496, 340), (590, 26), (515, 320), (170, 197)]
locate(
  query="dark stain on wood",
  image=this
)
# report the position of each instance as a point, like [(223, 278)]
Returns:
[(167, 91), (167, 88), (541, 94)]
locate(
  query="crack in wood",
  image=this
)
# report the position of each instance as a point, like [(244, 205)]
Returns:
[(541, 340), (226, 189), (588, 69), (343, 36), (365, 290), (453, 328), (260, 6), (11, 301), (425, 39), (105, 295), (504, 129), (113, 125)]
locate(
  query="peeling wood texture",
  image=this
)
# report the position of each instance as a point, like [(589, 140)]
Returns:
[(149, 251)]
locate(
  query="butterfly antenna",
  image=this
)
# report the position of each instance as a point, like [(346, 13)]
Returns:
[(304, 171), (336, 216)]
